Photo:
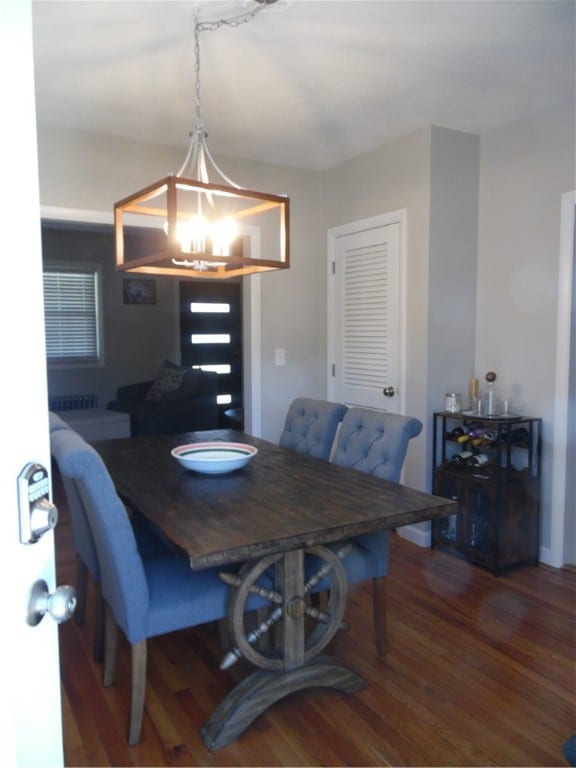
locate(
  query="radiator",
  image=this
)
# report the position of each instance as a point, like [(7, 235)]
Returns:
[(71, 402)]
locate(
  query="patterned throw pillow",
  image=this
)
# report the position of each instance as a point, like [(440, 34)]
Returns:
[(168, 378)]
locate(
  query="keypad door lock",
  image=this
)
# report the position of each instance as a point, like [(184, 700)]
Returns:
[(36, 512)]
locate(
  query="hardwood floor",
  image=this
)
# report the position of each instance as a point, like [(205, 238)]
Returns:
[(480, 671)]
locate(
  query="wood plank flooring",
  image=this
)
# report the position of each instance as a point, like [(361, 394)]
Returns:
[(480, 671)]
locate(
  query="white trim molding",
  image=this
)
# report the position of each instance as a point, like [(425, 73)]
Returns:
[(555, 555), (80, 215)]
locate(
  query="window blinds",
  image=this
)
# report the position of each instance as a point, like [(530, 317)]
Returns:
[(71, 322)]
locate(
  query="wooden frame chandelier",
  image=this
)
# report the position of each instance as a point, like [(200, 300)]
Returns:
[(202, 229)]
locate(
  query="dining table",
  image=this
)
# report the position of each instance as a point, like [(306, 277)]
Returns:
[(277, 527)]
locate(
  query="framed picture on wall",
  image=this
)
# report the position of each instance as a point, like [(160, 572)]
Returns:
[(137, 291)]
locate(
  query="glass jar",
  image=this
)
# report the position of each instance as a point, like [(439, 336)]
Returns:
[(453, 402)]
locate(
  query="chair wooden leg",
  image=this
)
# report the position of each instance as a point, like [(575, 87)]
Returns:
[(111, 647), (99, 626), (138, 691), (81, 591), (379, 610)]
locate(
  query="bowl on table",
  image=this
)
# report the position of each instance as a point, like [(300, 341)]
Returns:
[(214, 458)]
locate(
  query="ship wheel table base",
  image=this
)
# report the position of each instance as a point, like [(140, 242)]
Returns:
[(295, 631)]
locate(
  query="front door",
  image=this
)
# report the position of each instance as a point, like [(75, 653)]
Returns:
[(30, 709), (365, 312), (211, 339)]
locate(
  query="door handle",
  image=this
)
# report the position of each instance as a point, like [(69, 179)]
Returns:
[(389, 391), (61, 604)]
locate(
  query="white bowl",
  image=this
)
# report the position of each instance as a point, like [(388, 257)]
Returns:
[(214, 458)]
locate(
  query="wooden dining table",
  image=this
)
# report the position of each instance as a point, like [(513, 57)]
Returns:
[(272, 518)]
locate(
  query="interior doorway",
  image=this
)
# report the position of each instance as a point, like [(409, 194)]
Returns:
[(211, 339), (366, 311)]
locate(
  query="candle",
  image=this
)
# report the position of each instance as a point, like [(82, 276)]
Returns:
[(473, 388), (474, 395)]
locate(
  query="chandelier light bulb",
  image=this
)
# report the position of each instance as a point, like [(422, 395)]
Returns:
[(223, 234), (192, 234)]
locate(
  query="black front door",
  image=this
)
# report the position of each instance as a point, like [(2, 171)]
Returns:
[(211, 338)]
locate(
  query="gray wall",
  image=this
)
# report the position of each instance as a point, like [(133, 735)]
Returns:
[(433, 174), (454, 182), (137, 339), (394, 177), (523, 170), (80, 170)]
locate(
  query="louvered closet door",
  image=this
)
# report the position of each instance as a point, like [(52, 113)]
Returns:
[(366, 315)]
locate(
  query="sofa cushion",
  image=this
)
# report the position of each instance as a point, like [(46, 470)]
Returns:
[(168, 379)]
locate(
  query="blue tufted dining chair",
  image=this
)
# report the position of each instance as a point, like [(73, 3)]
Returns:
[(85, 550), (376, 443), (144, 596), (311, 425), (86, 557), (56, 422)]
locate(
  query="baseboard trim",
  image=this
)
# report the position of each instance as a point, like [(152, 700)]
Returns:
[(546, 557), (422, 536), (417, 534)]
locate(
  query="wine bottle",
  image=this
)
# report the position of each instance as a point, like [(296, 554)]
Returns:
[(477, 460), (484, 439), (490, 406), (461, 458)]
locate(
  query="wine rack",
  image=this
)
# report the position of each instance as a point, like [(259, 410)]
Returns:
[(491, 466)]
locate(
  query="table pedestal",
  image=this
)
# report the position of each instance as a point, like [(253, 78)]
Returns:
[(293, 663), (263, 688)]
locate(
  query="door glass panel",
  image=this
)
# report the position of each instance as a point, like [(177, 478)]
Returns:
[(217, 367), (211, 339), (206, 306)]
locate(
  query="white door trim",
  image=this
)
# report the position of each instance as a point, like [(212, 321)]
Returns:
[(559, 508), (251, 299), (399, 217)]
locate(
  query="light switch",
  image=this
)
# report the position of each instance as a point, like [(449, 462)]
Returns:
[(280, 358)]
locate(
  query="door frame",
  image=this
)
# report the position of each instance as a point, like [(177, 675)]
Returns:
[(251, 303), (559, 504), (399, 217)]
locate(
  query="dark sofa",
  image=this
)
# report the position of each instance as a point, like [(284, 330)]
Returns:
[(178, 400)]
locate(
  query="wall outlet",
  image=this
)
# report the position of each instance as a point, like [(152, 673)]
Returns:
[(280, 356)]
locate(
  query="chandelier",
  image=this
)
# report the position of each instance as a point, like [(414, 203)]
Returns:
[(202, 229)]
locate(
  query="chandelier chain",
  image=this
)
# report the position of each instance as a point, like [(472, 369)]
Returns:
[(213, 26)]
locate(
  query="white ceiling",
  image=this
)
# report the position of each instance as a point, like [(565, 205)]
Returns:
[(307, 83)]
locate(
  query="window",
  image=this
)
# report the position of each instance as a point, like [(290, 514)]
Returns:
[(72, 314)]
